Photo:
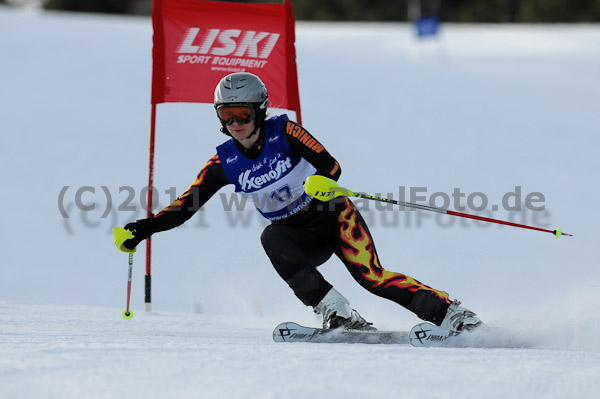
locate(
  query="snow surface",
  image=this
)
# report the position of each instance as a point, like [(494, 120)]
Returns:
[(483, 109)]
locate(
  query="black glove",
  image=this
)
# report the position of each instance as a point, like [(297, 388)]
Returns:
[(141, 230)]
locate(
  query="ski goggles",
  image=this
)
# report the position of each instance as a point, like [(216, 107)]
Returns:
[(241, 114)]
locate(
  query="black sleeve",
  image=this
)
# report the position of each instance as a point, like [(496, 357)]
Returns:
[(309, 148), (210, 179)]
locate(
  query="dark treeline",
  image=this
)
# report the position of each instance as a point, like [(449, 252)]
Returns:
[(494, 11)]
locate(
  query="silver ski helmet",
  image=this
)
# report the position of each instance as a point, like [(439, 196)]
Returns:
[(242, 89)]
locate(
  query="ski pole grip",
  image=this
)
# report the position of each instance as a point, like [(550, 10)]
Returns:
[(120, 235)]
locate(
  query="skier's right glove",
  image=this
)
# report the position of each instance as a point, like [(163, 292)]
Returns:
[(140, 230)]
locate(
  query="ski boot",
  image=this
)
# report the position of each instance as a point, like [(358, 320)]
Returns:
[(459, 318), (337, 313)]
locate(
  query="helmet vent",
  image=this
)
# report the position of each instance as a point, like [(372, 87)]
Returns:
[(241, 84)]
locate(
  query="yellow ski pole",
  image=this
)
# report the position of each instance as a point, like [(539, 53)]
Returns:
[(325, 189), (120, 235)]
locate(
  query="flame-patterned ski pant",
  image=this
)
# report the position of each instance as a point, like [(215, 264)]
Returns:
[(298, 245)]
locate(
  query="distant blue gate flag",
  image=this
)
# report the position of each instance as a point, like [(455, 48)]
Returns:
[(427, 26)]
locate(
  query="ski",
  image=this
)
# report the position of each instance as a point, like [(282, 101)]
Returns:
[(423, 335), (293, 332)]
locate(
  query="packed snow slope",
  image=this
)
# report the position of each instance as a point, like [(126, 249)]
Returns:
[(488, 112)]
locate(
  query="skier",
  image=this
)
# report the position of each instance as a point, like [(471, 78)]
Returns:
[(270, 159)]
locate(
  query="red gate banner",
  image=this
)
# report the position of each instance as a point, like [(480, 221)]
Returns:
[(196, 43)]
